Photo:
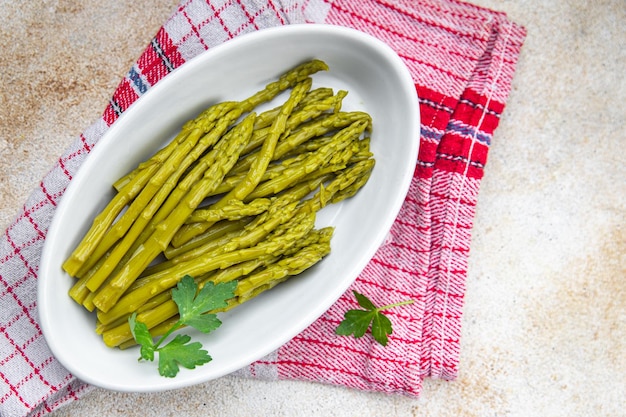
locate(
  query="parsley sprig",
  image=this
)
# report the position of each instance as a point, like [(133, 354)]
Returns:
[(356, 322), (193, 308)]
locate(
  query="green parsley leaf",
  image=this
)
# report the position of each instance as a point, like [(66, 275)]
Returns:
[(194, 308), (381, 327), (356, 322), (364, 301), (142, 336), (205, 323), (180, 351)]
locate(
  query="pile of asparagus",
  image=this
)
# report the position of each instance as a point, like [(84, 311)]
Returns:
[(232, 197)]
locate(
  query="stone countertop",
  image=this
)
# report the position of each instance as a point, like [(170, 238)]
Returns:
[(545, 316)]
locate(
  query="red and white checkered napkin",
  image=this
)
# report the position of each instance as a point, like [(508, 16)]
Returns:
[(462, 59)]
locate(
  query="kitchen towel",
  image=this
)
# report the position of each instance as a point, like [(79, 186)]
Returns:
[(462, 59)]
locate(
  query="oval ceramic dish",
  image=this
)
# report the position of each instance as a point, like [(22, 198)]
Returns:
[(377, 82)]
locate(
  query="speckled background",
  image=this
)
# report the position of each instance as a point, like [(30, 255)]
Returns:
[(545, 316)]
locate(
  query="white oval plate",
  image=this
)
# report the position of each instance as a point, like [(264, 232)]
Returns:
[(377, 82)]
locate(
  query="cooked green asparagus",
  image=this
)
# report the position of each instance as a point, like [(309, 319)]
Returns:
[(232, 197)]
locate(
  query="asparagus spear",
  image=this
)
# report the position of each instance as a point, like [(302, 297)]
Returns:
[(234, 210), (287, 80)]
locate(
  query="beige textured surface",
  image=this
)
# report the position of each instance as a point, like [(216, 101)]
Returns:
[(545, 316)]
